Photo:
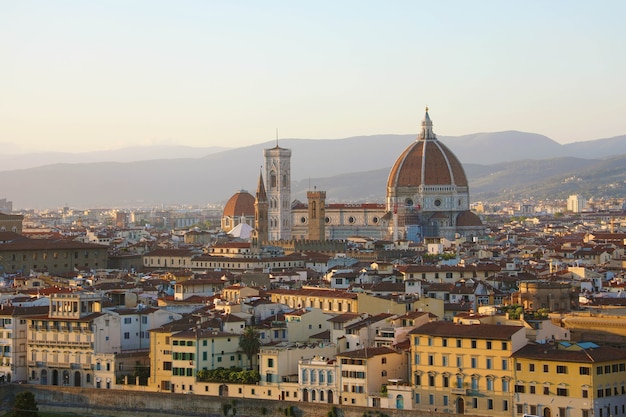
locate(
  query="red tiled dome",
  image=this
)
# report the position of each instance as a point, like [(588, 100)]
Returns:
[(240, 204), (427, 161), (467, 218)]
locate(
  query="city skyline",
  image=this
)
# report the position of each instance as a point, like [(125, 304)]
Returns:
[(106, 75)]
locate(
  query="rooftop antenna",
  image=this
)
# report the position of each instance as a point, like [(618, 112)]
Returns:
[(277, 137)]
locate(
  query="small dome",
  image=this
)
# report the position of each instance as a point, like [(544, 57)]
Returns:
[(427, 161), (240, 204), (467, 219)]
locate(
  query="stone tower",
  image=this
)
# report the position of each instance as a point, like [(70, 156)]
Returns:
[(260, 215), (278, 174), (317, 214)]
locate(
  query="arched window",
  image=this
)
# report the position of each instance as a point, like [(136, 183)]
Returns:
[(272, 180)]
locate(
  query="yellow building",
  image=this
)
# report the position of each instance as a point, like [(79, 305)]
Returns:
[(570, 380), (177, 355), (464, 369), (62, 343), (328, 300), (364, 372)]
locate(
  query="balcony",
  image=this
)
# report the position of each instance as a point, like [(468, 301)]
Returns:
[(67, 343), (458, 391)]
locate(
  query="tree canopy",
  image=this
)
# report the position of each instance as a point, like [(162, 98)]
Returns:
[(25, 405), (250, 342)]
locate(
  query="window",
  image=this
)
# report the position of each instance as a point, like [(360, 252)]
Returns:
[(505, 364), (489, 344), (431, 380), (458, 343), (505, 345), (505, 405), (585, 370), (127, 320), (445, 400), (585, 393), (545, 368), (489, 404), (431, 399), (519, 408), (489, 384), (126, 335), (520, 389), (444, 342), (531, 367), (270, 362), (505, 385), (459, 361), (444, 360), (430, 341), (546, 390), (417, 359), (561, 392), (532, 389), (599, 370), (446, 381), (489, 363), (474, 362), (518, 366), (560, 369), (473, 344), (431, 360)]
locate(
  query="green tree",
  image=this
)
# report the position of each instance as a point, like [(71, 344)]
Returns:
[(25, 405), (250, 342)]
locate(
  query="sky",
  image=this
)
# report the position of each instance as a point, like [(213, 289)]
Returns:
[(82, 76)]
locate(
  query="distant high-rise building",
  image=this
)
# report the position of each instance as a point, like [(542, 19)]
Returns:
[(278, 174), (576, 203), (6, 206)]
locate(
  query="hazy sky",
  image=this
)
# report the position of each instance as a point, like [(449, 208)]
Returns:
[(93, 75)]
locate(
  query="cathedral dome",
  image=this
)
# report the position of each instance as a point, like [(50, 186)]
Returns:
[(427, 162), (468, 219), (240, 204)]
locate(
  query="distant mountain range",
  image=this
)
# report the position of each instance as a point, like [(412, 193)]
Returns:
[(498, 165)]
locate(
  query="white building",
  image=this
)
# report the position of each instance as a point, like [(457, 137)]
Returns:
[(576, 203)]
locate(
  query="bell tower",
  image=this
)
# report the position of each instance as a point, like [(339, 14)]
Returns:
[(317, 214), (278, 174)]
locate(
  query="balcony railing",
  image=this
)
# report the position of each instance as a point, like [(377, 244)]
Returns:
[(460, 391)]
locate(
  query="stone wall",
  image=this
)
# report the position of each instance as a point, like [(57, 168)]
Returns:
[(116, 403)]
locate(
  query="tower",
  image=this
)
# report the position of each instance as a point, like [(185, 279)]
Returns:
[(260, 215), (278, 174), (317, 214)]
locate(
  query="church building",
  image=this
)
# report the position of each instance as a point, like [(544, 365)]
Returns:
[(427, 196)]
